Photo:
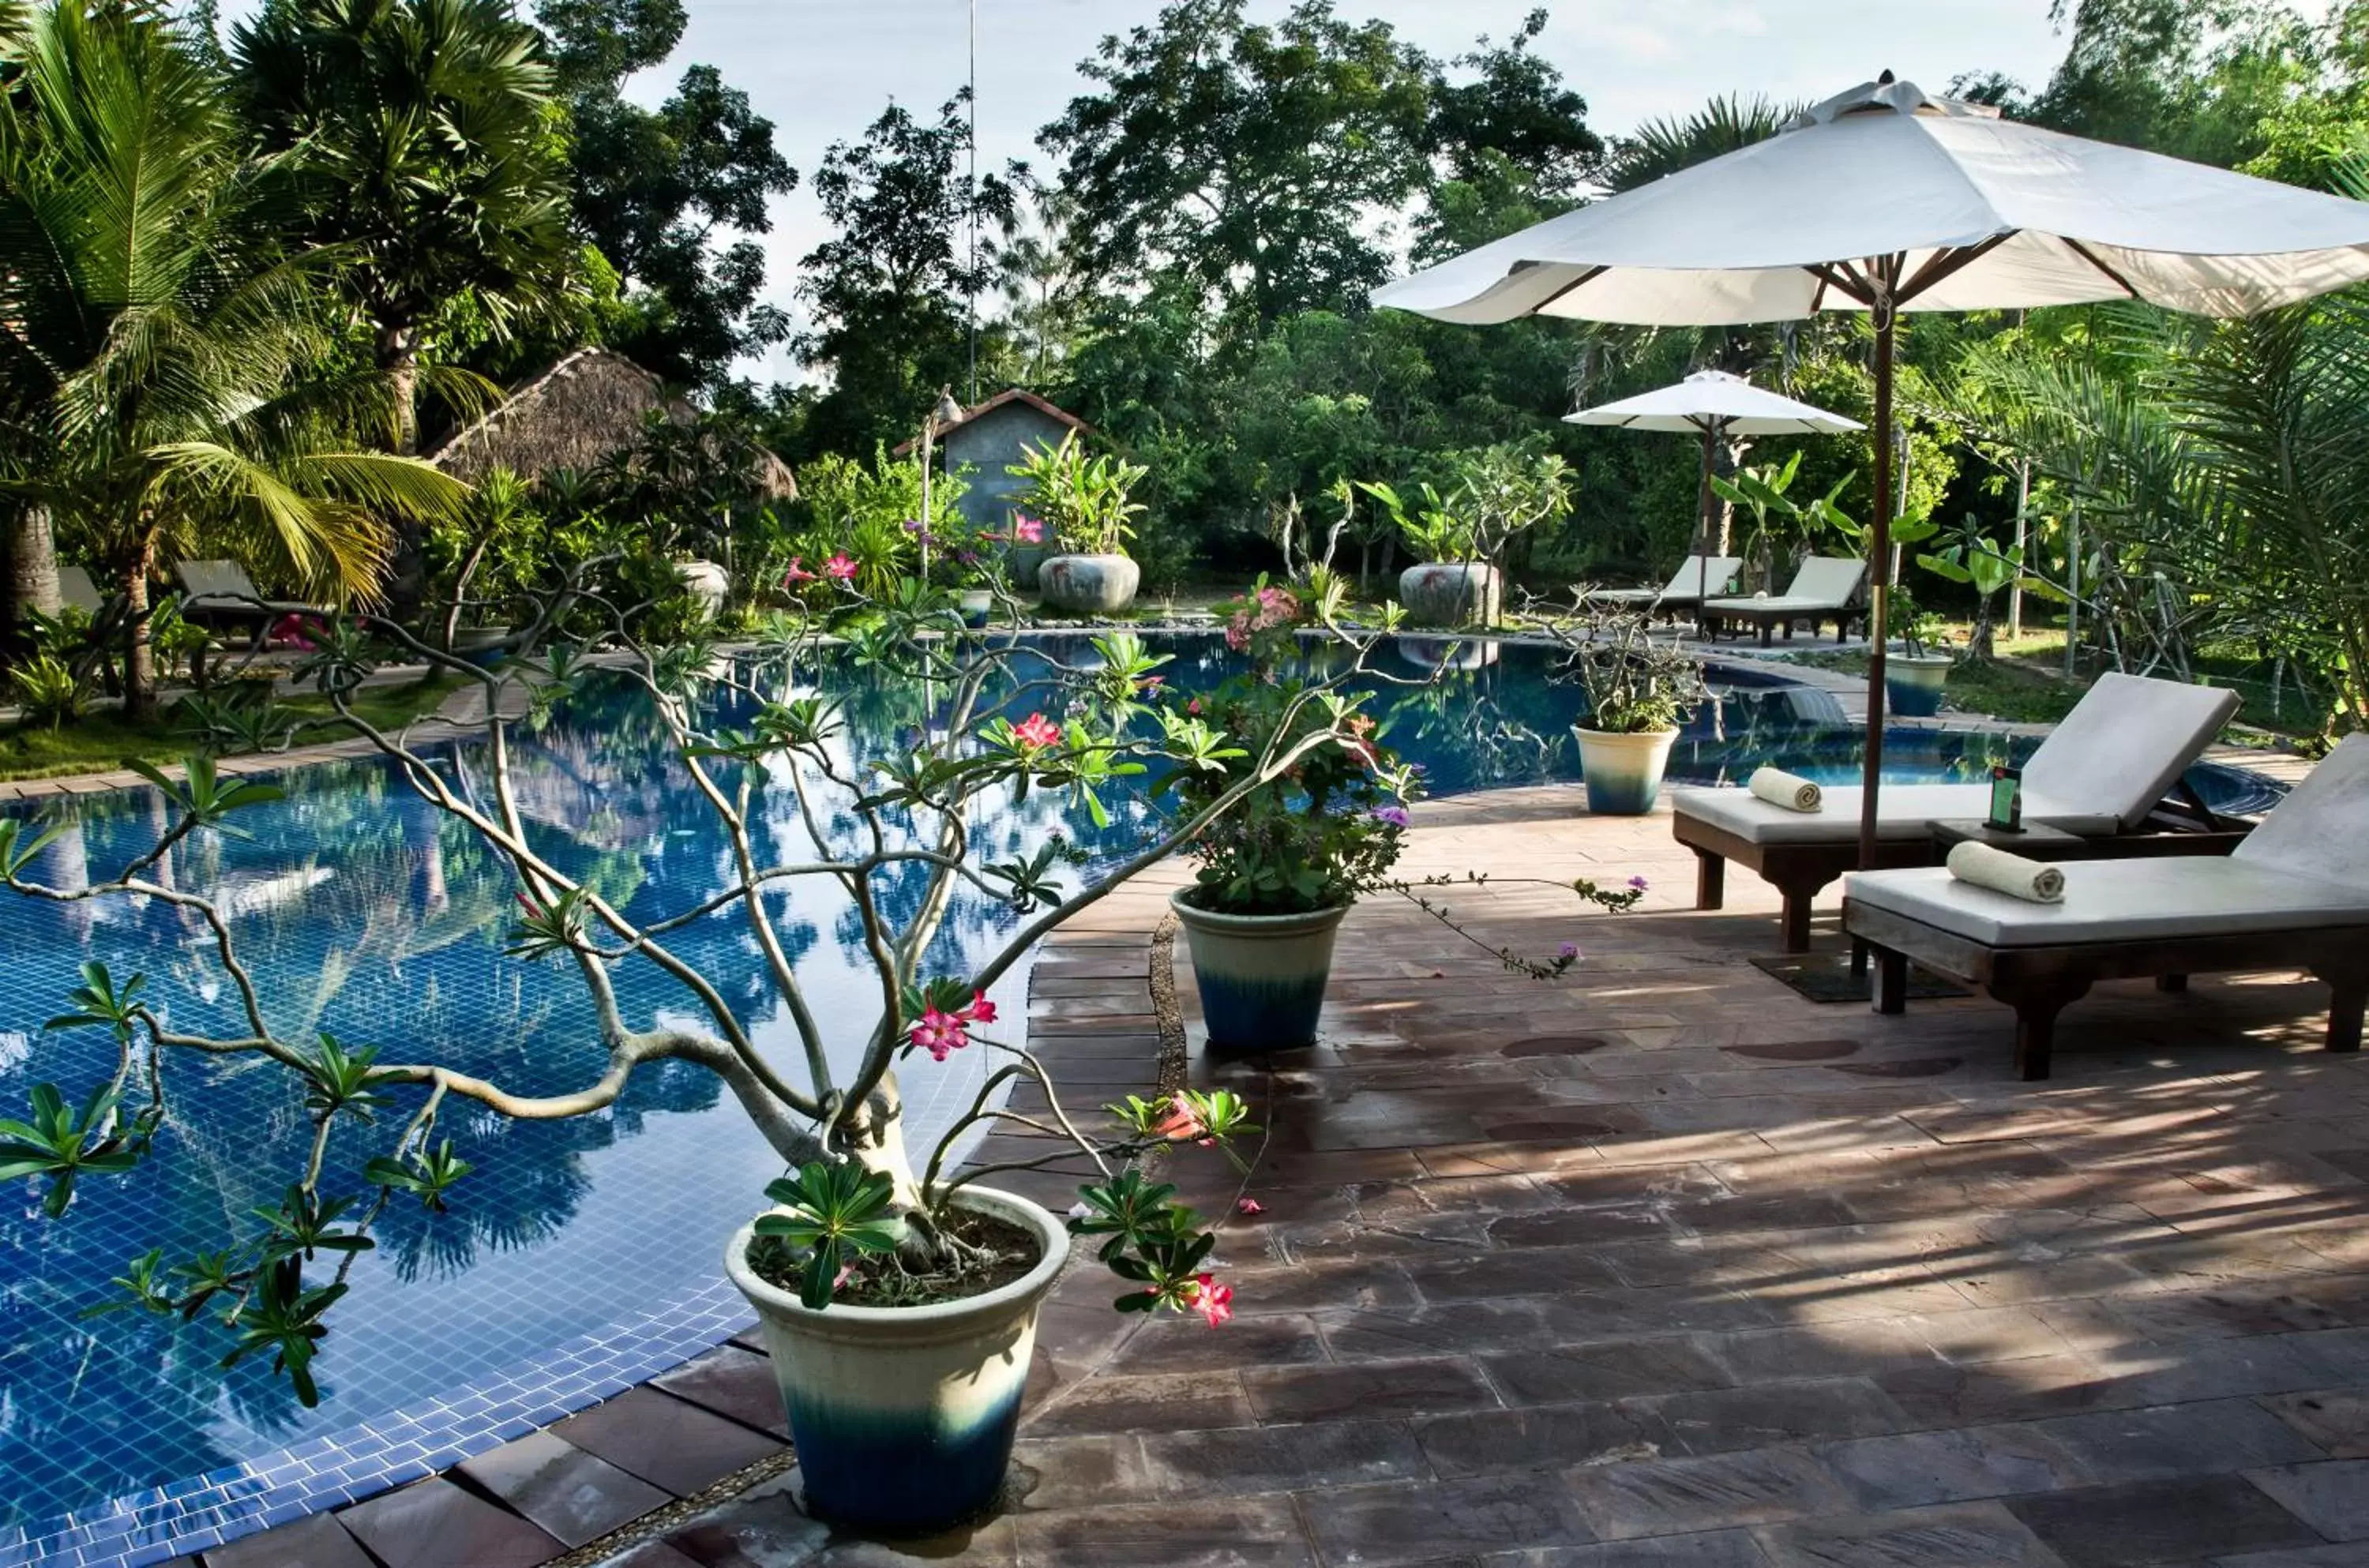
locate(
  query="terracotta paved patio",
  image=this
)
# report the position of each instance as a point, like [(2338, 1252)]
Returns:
[(1654, 1264), (1659, 1263)]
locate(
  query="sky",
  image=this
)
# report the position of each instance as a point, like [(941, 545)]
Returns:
[(822, 69)]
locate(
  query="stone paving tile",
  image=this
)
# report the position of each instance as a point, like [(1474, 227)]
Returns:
[(571, 1494), (1485, 1442), (1248, 1532), (1368, 1388), (2337, 1420), (1433, 1521), (2205, 1438), (732, 1383), (1710, 1549), (1972, 1535), (1578, 1372), (2160, 1521), (434, 1524), (1679, 1496), (2346, 1554), (1914, 1469), (320, 1540), (1176, 1401), (671, 1444), (1717, 1421), (2331, 1496)]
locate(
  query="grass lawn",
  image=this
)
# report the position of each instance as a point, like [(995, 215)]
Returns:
[(103, 740)]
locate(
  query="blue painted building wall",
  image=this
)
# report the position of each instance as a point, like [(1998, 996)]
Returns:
[(987, 446)]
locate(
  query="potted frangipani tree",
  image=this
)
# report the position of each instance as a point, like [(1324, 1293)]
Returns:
[(898, 1293), (1275, 877), (1640, 692), (1088, 505), (1459, 535), (1916, 674)]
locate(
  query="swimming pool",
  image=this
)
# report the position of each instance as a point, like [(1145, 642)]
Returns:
[(580, 1256)]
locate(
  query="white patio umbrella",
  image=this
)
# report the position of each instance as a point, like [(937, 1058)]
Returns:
[(1886, 200), (1716, 405)]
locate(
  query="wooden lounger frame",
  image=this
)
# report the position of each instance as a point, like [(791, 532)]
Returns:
[(1844, 616), (2041, 982), (1801, 870)]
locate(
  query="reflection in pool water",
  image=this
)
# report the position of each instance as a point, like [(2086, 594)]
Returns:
[(365, 913)]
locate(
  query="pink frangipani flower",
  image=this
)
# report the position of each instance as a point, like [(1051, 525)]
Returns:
[(1036, 731), (1212, 1301), (840, 568)]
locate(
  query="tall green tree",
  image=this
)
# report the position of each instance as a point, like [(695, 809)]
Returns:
[(671, 197), (1249, 158), (170, 360), (891, 291)]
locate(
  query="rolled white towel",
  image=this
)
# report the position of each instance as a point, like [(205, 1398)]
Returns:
[(1790, 791), (2032, 881)]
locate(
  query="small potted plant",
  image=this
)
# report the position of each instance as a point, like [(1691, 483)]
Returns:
[(1087, 504), (1916, 672), (1639, 692), (1274, 878), (1459, 535)]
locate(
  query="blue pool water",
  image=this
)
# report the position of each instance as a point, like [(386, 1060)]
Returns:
[(364, 913)]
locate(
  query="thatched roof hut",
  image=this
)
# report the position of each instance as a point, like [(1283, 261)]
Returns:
[(591, 405)]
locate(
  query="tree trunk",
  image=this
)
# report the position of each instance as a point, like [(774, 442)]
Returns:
[(139, 657), (32, 580), (398, 360)]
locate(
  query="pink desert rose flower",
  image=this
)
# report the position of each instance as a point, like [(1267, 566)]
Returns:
[(1212, 1301), (1249, 1205), (798, 574), (1036, 731), (1183, 1123), (1028, 530), (1391, 816), (840, 569), (940, 1034), (981, 1010)]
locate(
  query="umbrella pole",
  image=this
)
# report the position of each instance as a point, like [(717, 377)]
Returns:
[(1879, 578), (1705, 531)]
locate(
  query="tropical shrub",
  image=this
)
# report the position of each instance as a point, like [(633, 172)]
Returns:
[(1087, 502), (1635, 683)]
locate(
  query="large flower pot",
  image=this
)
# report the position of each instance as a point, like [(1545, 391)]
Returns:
[(1913, 683), (1623, 773), (708, 583), (1089, 585), (977, 604), (903, 1416), (1451, 593), (1260, 977)]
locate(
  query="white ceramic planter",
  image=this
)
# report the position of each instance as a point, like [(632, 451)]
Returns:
[(903, 1416), (1089, 585), (1623, 773), (1451, 593), (708, 583), (1913, 683), (1261, 977), (976, 604)]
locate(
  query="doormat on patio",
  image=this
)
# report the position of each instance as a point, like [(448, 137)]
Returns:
[(1827, 976)]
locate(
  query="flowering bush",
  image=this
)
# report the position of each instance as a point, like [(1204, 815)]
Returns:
[(1330, 827)]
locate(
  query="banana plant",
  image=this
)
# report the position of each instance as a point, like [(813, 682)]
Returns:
[(1972, 559)]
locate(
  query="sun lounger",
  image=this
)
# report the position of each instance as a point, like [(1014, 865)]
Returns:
[(2103, 773), (76, 591), (1827, 587), (1685, 588), (2295, 894), (220, 593)]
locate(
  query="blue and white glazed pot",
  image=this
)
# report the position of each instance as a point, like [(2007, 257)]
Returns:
[(1262, 978), (1623, 773), (977, 604), (903, 1416), (1913, 684)]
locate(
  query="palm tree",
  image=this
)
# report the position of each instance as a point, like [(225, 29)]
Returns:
[(435, 152), (1662, 147), (160, 349)]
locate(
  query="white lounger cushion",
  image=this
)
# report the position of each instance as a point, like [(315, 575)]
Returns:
[(2307, 865), (2102, 770), (1903, 812), (1824, 582), (2118, 900), (1718, 572)]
